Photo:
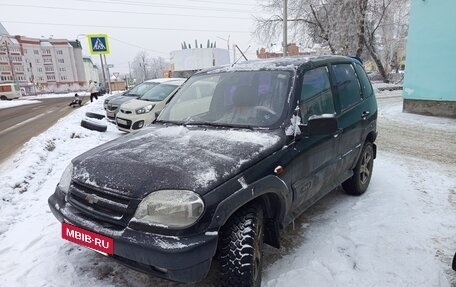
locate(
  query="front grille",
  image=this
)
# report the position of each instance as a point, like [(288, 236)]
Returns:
[(125, 111), (125, 126), (101, 204), (112, 108)]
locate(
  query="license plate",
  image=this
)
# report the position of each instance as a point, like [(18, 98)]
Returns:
[(110, 114), (122, 122), (92, 240)]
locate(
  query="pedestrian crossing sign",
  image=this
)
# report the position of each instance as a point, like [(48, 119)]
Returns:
[(98, 44)]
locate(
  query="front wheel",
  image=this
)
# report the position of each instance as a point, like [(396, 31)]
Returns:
[(241, 248), (358, 183)]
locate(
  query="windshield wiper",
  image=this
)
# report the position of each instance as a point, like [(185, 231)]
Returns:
[(212, 124)]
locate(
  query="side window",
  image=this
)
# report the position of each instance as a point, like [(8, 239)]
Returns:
[(364, 80), (346, 85), (316, 95)]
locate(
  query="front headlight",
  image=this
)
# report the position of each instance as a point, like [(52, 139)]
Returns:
[(170, 209), (144, 110), (65, 180)]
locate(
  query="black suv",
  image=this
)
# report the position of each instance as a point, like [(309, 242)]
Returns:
[(236, 155)]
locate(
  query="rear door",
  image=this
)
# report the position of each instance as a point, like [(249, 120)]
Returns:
[(351, 110)]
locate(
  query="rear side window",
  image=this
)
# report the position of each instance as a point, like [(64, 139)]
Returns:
[(316, 95), (347, 85), (364, 80)]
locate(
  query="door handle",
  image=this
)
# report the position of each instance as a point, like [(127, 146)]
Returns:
[(365, 114), (337, 133)]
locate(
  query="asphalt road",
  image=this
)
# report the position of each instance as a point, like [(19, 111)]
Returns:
[(19, 124)]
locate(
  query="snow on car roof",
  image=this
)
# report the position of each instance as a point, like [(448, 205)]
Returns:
[(285, 63), (162, 80)]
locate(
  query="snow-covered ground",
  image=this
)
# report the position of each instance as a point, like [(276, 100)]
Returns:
[(402, 232), (27, 100), (15, 103)]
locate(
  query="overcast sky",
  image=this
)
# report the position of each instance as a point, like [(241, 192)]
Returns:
[(156, 26)]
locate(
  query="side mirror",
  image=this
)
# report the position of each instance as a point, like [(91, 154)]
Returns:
[(320, 125)]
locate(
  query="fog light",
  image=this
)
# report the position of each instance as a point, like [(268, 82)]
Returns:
[(138, 125)]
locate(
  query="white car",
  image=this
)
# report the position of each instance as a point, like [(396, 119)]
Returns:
[(137, 113), (9, 91), (112, 103)]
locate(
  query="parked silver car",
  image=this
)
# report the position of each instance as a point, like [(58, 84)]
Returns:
[(112, 103), (137, 113)]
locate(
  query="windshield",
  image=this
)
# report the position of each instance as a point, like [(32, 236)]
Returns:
[(158, 93), (141, 89), (240, 98)]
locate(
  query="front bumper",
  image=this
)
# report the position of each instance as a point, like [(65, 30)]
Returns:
[(183, 259), (132, 122)]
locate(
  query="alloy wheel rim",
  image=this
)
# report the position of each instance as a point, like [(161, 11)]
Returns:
[(364, 172)]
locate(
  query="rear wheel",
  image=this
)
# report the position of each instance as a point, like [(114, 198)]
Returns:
[(241, 248), (358, 183), (3, 98), (454, 262)]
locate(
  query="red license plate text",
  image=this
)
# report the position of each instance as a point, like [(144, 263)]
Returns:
[(86, 238)]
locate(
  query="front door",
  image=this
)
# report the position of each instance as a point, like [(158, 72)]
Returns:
[(314, 167)]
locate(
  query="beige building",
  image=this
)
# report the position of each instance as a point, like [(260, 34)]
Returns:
[(91, 70), (42, 65)]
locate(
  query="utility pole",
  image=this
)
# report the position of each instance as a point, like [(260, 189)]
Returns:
[(129, 73), (285, 19), (109, 75), (103, 69)]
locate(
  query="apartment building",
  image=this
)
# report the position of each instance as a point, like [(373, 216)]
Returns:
[(91, 70), (53, 65), (42, 65)]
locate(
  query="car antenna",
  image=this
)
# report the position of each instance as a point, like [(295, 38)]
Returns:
[(242, 53)]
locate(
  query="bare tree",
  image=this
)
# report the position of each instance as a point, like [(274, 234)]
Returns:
[(343, 26), (145, 68), (158, 67), (139, 66)]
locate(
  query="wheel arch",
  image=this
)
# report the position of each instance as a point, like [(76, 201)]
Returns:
[(271, 193)]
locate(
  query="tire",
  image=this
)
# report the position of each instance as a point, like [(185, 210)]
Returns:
[(241, 247), (358, 183), (94, 115), (454, 262), (93, 126), (3, 98)]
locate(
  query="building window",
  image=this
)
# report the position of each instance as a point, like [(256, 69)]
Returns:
[(40, 70), (25, 51), (49, 69), (47, 60), (36, 52), (62, 69), (63, 78), (60, 61), (59, 52), (51, 78), (37, 61)]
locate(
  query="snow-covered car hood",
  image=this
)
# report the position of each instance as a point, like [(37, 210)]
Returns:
[(174, 157), (113, 97), (136, 104), (120, 100)]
